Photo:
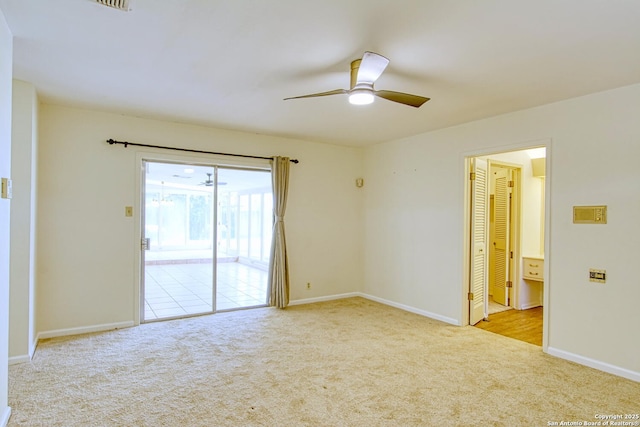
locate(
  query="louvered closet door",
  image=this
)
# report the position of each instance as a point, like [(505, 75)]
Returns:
[(479, 233), (501, 233)]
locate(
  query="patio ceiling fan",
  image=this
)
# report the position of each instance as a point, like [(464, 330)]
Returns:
[(364, 73), (209, 182)]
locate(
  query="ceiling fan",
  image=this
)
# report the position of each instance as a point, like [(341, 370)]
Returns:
[(364, 73), (209, 182)]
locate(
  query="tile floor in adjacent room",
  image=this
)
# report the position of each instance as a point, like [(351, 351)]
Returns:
[(173, 290)]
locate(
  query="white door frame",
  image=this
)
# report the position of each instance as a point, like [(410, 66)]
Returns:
[(465, 161)]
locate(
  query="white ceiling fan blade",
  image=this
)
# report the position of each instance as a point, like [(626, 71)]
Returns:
[(314, 95), (371, 67)]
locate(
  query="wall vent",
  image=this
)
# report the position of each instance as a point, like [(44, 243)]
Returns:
[(116, 4)]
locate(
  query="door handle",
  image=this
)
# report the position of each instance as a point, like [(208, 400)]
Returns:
[(145, 243)]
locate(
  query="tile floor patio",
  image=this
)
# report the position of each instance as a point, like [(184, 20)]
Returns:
[(183, 289)]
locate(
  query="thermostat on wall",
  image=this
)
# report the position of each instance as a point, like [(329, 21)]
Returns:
[(590, 214), (7, 190)]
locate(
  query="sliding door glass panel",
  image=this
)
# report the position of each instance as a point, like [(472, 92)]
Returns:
[(243, 226), (267, 228), (178, 223), (245, 220)]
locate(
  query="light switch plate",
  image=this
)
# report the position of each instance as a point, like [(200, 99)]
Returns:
[(7, 188)]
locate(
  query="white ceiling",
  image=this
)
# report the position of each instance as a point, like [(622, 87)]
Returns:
[(229, 64)]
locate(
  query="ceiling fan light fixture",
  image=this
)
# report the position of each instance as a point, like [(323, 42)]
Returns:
[(364, 73), (361, 97)]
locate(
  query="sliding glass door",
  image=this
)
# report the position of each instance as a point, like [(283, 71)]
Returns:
[(244, 225), (194, 215)]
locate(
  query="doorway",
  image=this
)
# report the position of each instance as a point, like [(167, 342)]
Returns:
[(506, 229), (206, 236)]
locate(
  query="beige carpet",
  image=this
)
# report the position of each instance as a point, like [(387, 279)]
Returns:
[(343, 363)]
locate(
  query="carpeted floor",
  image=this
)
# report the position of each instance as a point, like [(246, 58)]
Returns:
[(350, 362)]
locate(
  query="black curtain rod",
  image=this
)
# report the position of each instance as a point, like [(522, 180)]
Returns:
[(125, 143)]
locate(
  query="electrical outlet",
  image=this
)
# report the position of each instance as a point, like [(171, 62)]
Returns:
[(308, 285), (599, 276), (128, 211)]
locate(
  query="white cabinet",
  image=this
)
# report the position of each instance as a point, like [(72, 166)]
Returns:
[(531, 292), (533, 268)]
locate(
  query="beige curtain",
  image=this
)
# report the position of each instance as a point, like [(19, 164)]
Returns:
[(279, 263)]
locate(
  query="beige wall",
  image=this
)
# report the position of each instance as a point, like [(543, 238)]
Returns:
[(414, 220), (6, 65), (23, 222), (87, 248)]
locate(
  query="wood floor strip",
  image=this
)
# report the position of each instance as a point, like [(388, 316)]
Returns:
[(523, 325)]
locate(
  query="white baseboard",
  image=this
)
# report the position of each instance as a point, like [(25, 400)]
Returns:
[(322, 299), (83, 330), (32, 347), (4, 420), (410, 309), (13, 360), (381, 301), (24, 357), (530, 305), (596, 364)]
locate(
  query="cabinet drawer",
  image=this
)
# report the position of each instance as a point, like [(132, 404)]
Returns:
[(533, 269)]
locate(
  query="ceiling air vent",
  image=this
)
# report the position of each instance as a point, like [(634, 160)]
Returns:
[(116, 4)]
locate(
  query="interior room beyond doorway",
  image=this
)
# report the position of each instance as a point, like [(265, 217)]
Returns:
[(520, 314)]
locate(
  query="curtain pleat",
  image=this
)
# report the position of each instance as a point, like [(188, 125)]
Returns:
[(278, 284)]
